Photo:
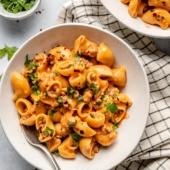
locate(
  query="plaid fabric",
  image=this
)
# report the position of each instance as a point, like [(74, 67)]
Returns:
[(153, 150)]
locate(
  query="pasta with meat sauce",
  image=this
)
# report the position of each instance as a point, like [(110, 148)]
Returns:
[(72, 96), (154, 12)]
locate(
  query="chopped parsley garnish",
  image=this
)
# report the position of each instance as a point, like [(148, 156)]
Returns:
[(56, 153), (52, 112), (8, 50), (35, 86), (94, 88), (55, 73), (92, 114), (76, 143), (98, 103), (30, 65), (114, 96), (15, 6), (46, 133), (75, 136), (49, 129), (111, 107), (27, 61), (102, 96), (38, 101), (80, 99), (46, 93), (115, 126), (70, 92), (60, 101)]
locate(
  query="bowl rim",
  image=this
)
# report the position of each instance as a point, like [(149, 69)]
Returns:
[(84, 25), (20, 15)]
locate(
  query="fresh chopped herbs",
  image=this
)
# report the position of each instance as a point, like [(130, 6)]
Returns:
[(111, 107), (75, 136), (49, 129), (27, 61), (15, 6), (94, 88), (55, 73), (30, 65), (38, 101), (9, 51), (98, 103), (52, 112), (60, 101), (102, 96), (80, 99), (76, 143), (71, 123), (35, 86), (56, 153), (92, 114), (114, 96), (70, 92), (46, 133)]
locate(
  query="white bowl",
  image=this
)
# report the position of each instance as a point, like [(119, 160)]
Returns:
[(137, 89), (19, 15), (120, 12)]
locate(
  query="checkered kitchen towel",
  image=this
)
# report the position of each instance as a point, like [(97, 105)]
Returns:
[(153, 150)]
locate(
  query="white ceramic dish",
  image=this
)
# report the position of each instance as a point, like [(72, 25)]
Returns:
[(129, 132), (19, 15), (120, 12)]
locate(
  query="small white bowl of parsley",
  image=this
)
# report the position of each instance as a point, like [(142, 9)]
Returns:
[(18, 9)]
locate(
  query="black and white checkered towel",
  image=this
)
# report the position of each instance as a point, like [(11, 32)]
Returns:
[(153, 150)]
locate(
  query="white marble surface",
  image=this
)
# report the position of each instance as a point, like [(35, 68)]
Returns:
[(13, 33)]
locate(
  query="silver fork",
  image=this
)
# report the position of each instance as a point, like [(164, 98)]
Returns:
[(32, 138)]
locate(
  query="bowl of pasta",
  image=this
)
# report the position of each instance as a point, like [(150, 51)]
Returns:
[(147, 17), (79, 91)]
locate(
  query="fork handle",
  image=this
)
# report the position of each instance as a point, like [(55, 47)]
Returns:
[(50, 156)]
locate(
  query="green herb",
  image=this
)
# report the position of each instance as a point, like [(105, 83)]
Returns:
[(46, 93), (111, 107), (0, 77), (56, 153), (34, 83), (91, 114), (60, 101), (76, 55), (80, 99), (49, 129), (75, 136), (15, 6), (52, 113), (94, 88), (55, 73), (27, 62), (30, 65), (114, 96), (70, 92), (46, 133), (76, 144), (98, 103), (102, 96), (38, 101), (115, 127), (9, 51), (71, 122)]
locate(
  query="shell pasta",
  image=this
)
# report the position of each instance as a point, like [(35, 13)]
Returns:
[(154, 12), (72, 96)]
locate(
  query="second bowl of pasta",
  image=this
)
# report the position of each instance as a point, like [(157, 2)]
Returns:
[(150, 18), (77, 88)]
